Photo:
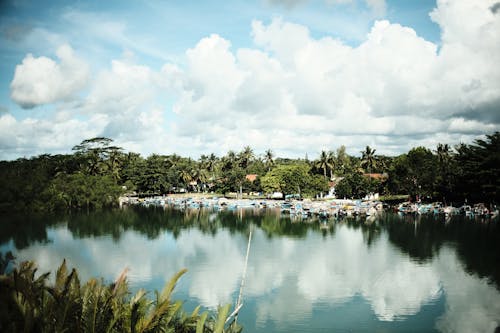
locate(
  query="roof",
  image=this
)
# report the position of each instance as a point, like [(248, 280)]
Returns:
[(378, 176), (251, 177)]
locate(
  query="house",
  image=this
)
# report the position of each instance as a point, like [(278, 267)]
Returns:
[(331, 184)]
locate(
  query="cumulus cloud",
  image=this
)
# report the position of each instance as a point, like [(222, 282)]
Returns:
[(294, 92), (39, 136), (129, 96), (125, 102), (42, 80), (395, 83)]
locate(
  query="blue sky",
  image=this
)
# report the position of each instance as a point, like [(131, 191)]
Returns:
[(295, 76)]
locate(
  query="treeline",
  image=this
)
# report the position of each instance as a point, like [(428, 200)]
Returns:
[(98, 172)]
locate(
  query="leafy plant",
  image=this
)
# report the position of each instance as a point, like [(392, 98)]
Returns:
[(29, 304)]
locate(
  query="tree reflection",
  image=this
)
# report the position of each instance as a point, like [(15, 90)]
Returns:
[(25, 230), (420, 237)]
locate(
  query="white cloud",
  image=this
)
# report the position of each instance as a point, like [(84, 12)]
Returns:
[(460, 125), (39, 136), (42, 80), (293, 92), (300, 88), (129, 96)]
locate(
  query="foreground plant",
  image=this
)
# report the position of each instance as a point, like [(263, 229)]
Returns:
[(29, 304)]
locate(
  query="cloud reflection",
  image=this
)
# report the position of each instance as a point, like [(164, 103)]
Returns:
[(286, 276)]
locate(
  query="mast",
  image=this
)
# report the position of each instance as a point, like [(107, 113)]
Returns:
[(239, 302)]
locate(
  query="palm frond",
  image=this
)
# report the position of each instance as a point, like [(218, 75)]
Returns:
[(221, 318)]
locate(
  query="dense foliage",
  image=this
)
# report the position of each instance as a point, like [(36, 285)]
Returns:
[(97, 173), (28, 303)]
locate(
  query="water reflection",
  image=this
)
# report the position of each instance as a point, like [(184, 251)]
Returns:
[(389, 273)]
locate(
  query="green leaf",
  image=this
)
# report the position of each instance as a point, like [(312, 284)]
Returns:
[(61, 275), (169, 287), (200, 325), (221, 318)]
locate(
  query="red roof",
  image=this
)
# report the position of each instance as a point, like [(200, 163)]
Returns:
[(251, 177), (379, 176)]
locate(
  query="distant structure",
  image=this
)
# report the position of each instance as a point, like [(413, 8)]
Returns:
[(382, 177), (251, 177)]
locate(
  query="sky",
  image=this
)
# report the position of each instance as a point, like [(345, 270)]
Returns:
[(293, 76)]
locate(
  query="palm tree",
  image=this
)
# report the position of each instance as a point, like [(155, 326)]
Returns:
[(186, 177), (323, 162), (199, 174), (114, 162), (172, 161), (211, 165), (444, 153), (331, 162), (245, 157), (368, 159), (444, 160), (269, 159), (228, 161), (342, 159)]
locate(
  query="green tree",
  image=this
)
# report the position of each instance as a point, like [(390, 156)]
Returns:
[(153, 177), (77, 191), (245, 157), (98, 157), (343, 160), (368, 159), (293, 179), (132, 173), (269, 159), (209, 163), (332, 162), (353, 185), (446, 168), (414, 173), (478, 167), (200, 175), (324, 162)]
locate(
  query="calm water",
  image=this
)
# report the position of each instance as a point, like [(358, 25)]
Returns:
[(390, 274)]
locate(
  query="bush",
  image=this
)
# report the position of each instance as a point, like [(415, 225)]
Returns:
[(29, 304)]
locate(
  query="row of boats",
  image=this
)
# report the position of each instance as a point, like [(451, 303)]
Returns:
[(296, 208), (479, 209), (322, 209)]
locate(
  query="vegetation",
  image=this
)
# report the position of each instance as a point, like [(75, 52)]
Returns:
[(28, 303), (98, 172)]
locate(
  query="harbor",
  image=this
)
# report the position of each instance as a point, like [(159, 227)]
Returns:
[(307, 208)]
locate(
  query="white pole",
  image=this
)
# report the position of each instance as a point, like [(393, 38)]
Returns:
[(240, 296)]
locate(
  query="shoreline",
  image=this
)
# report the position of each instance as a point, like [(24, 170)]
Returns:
[(324, 207)]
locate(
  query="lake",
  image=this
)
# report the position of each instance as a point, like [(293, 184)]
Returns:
[(391, 273)]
